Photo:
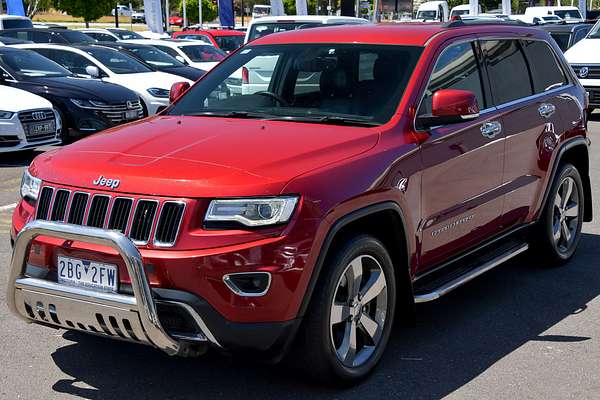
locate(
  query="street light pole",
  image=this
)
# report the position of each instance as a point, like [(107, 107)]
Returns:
[(167, 13), (184, 14), (200, 13)]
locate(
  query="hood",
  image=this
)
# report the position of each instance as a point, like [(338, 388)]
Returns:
[(584, 52), (73, 87), (15, 100), (202, 156)]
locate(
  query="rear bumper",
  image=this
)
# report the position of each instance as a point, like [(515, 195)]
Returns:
[(175, 321)]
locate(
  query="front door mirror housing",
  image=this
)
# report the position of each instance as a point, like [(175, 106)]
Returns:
[(450, 106), (177, 90), (92, 71)]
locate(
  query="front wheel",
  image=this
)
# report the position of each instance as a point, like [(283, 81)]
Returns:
[(559, 228), (348, 324)]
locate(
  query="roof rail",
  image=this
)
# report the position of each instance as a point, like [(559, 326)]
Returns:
[(484, 21)]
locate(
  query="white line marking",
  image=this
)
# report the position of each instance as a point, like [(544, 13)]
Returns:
[(8, 207)]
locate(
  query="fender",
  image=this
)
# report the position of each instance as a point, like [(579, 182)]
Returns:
[(587, 193), (334, 230)]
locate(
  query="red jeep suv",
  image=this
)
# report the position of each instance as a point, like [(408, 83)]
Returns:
[(360, 170)]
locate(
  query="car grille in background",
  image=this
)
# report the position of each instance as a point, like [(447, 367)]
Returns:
[(36, 116), (30, 118), (594, 95), (135, 218), (116, 112), (9, 140), (593, 71)]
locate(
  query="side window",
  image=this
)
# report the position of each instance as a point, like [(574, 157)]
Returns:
[(580, 34), (456, 68), (72, 61), (101, 37), (545, 70), (172, 52), (507, 69)]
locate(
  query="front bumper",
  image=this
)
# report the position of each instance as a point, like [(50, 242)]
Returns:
[(13, 137), (175, 321)]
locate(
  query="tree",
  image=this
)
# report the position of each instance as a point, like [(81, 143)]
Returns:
[(89, 10), (209, 11), (33, 6)]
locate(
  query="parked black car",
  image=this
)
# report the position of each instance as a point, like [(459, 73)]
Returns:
[(156, 59), (64, 36), (566, 35), (86, 106)]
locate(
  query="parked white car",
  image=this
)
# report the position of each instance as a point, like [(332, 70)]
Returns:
[(462, 10), (537, 20), (110, 34), (585, 61), (122, 10), (112, 66), (568, 13), (27, 121), (266, 25), (194, 53), (433, 11)]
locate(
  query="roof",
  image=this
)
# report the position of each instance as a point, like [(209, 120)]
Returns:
[(309, 18), (214, 32), (167, 42), (408, 34)]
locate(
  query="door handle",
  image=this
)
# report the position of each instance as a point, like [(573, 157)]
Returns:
[(546, 110), (491, 129)]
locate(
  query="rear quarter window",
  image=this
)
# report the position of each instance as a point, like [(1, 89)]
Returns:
[(545, 69), (507, 70)]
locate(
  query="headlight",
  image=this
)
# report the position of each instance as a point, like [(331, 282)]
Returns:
[(83, 103), (253, 211), (158, 92), (5, 115), (30, 187)]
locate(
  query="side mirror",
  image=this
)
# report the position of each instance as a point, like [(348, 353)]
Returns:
[(181, 59), (92, 71), (450, 106), (177, 90)]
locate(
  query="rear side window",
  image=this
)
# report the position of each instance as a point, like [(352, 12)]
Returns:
[(562, 39), (580, 34), (508, 71), (456, 68), (545, 70)]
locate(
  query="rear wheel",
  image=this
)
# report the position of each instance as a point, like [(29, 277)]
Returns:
[(559, 228), (348, 324)]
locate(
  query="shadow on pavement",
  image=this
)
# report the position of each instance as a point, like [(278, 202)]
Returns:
[(455, 340), (19, 158)]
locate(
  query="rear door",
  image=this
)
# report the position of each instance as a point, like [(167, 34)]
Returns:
[(462, 162), (527, 90)]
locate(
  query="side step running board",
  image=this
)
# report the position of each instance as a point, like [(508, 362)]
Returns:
[(470, 275)]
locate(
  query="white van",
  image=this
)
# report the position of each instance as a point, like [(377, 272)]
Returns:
[(461, 10), (260, 10), (27, 121), (567, 13), (433, 11), (14, 22)]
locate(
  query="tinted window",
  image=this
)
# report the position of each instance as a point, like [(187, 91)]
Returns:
[(16, 24), (172, 52), (456, 68), (580, 34), (546, 72), (155, 57), (102, 37), (74, 62), (117, 62), (44, 37), (125, 35), (195, 36), (260, 30), (568, 14), (27, 63), (203, 53), (507, 70), (75, 36), (229, 43), (562, 39)]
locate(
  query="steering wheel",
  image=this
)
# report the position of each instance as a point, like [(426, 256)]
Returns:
[(273, 96)]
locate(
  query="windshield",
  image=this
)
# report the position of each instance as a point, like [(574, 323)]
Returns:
[(317, 83), (26, 63), (117, 62), (229, 43), (125, 35), (264, 29), (551, 18), (155, 57), (594, 32), (76, 37), (562, 39), (568, 14), (427, 15), (203, 53)]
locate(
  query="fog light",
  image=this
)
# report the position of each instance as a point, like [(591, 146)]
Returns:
[(248, 284)]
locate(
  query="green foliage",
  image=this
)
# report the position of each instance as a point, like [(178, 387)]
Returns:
[(87, 9), (209, 11)]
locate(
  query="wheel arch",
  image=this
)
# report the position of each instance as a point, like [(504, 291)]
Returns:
[(386, 222)]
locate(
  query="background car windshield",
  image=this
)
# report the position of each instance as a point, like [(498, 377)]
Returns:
[(427, 14), (203, 53), (359, 84), (229, 43), (264, 29), (117, 62), (125, 35), (568, 14), (72, 36), (30, 64), (155, 57), (594, 32), (562, 39)]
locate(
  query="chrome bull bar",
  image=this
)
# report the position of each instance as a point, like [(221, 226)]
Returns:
[(138, 311)]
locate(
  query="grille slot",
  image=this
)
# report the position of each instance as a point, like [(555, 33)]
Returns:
[(98, 210), (119, 215), (59, 209), (78, 207), (143, 219), (36, 116), (168, 223), (44, 203)]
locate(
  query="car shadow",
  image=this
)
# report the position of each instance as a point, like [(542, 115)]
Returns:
[(19, 158), (455, 339)]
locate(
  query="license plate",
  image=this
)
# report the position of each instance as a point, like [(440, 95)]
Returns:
[(133, 114), (42, 128), (87, 274)]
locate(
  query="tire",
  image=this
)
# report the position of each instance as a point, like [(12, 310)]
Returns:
[(64, 130), (324, 345), (558, 230)]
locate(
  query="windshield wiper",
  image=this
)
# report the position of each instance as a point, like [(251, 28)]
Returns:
[(327, 119)]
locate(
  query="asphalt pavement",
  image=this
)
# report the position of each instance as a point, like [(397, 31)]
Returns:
[(522, 331)]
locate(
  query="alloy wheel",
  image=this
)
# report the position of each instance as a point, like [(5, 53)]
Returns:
[(358, 311), (565, 217)]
